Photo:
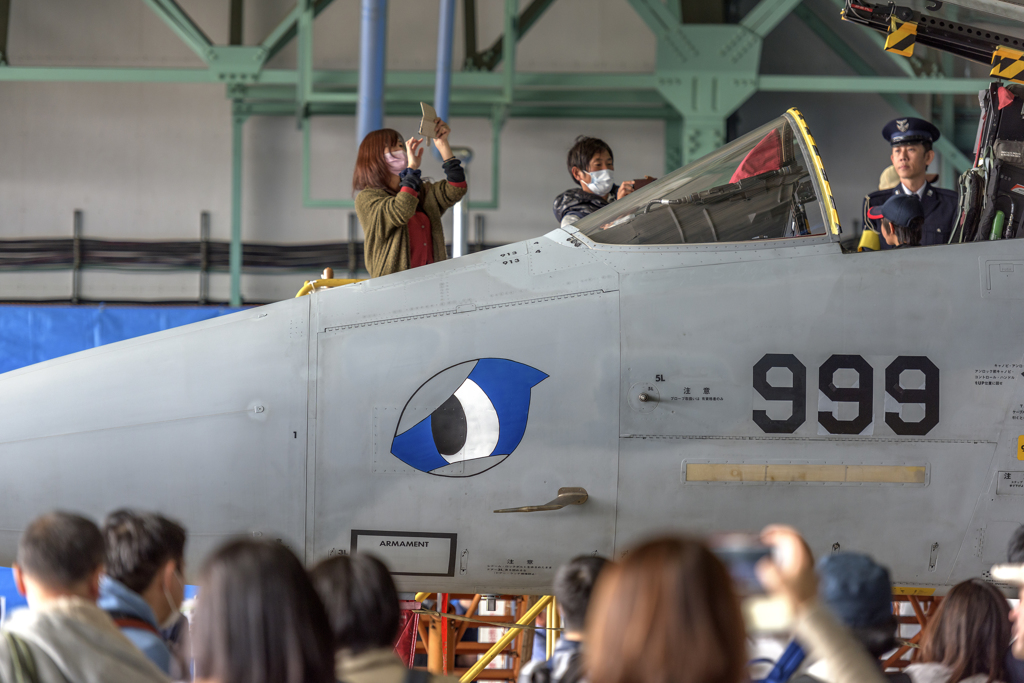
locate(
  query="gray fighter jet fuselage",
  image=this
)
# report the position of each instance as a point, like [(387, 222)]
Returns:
[(701, 356)]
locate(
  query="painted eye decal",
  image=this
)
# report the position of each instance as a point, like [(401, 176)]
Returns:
[(467, 418)]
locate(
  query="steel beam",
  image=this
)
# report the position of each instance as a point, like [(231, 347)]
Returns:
[(508, 48), (1000, 8), (5, 20), (905, 64), (673, 144), (235, 250), (468, 80), (873, 84), (499, 115), (470, 110), (183, 26), (496, 53), (286, 31), (701, 135), (469, 32), (767, 14), (837, 43), (307, 199), (50, 74), (945, 146), (664, 26), (282, 34), (304, 61), (235, 29), (947, 124)]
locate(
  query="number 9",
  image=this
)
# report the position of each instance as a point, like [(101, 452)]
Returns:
[(929, 395), (797, 393), (860, 394)]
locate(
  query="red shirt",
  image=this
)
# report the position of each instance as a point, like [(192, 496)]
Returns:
[(421, 244)]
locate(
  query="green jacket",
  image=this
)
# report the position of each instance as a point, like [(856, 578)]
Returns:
[(385, 220)]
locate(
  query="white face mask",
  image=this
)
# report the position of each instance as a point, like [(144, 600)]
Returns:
[(175, 614), (600, 182)]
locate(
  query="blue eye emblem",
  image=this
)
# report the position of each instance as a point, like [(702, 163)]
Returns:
[(467, 418)]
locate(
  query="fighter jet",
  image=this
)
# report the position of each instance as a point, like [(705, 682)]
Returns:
[(700, 356)]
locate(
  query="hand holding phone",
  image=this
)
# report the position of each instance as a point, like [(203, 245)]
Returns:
[(789, 572)]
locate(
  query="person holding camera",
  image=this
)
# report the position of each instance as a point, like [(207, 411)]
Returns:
[(401, 212), (591, 165)]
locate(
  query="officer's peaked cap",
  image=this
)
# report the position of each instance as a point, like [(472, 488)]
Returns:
[(902, 131)]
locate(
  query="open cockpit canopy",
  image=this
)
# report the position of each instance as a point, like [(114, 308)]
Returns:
[(763, 185)]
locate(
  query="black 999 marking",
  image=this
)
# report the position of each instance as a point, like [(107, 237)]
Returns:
[(929, 395), (860, 394), (797, 393)]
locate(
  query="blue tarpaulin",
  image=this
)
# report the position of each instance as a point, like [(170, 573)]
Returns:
[(14, 600), (32, 334)]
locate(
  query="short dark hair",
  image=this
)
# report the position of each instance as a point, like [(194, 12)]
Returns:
[(139, 544), (1015, 549), (909, 234), (258, 618), (879, 638), (361, 601), (927, 144), (583, 150), (60, 549), (574, 582)]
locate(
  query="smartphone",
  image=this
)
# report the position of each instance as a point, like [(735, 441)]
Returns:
[(740, 553), (427, 125), (641, 182)]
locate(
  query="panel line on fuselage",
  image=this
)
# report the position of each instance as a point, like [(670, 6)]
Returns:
[(452, 311), (855, 438)]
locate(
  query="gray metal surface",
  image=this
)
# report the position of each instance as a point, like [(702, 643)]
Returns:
[(1007, 9), (288, 420)]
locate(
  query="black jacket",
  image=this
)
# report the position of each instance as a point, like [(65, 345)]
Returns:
[(578, 203)]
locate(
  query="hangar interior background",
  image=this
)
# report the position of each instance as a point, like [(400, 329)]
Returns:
[(117, 109)]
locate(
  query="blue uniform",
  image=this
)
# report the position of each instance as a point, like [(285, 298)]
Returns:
[(939, 212), (939, 205)]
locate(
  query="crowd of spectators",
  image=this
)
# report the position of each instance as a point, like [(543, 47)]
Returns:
[(104, 605)]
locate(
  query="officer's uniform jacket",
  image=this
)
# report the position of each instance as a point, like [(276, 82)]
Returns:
[(939, 211)]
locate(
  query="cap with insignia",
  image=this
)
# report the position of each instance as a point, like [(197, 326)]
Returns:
[(903, 131)]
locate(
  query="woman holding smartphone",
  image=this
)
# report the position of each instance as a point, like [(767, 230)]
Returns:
[(401, 212)]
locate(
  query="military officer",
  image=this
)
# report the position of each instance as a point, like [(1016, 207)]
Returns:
[(911, 141)]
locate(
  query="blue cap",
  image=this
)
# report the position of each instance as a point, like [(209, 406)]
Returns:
[(903, 131), (856, 589), (900, 209)]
